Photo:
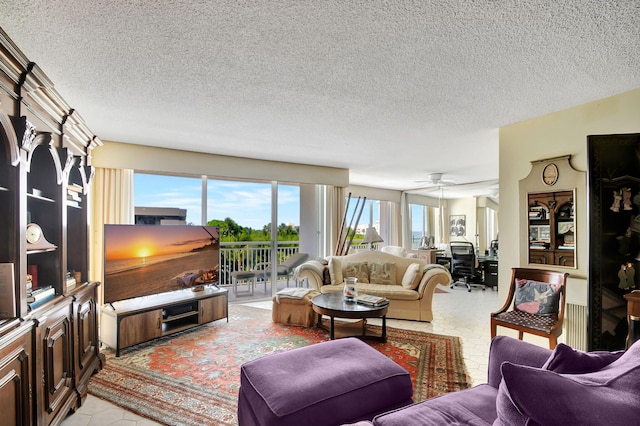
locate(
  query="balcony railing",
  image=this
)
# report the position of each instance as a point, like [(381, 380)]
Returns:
[(245, 255)]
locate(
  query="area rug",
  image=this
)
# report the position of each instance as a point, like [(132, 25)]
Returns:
[(193, 377)]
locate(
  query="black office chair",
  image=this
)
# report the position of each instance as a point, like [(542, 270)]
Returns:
[(463, 265)]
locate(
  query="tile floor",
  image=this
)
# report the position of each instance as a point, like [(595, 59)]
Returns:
[(457, 313)]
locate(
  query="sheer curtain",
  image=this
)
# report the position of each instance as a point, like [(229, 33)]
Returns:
[(111, 202), (405, 217)]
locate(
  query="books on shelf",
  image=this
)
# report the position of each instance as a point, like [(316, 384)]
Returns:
[(566, 247), (41, 301), (540, 245), (70, 281), (367, 299), (40, 293), (74, 187)]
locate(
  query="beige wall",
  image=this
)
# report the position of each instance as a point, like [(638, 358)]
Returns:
[(142, 158), (561, 133), (466, 207)]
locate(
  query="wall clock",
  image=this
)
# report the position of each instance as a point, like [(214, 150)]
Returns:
[(550, 174)]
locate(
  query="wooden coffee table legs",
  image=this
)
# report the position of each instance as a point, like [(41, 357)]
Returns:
[(339, 329)]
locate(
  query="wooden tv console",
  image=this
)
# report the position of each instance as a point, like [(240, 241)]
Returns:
[(129, 322)]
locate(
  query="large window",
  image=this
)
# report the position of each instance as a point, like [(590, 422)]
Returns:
[(167, 199), (424, 224), (243, 205), (248, 206), (361, 214)]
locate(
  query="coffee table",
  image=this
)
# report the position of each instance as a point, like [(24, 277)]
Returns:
[(334, 306)]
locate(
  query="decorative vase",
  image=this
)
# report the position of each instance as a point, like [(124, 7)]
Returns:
[(350, 291)]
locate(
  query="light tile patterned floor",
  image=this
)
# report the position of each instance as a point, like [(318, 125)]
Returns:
[(457, 313)]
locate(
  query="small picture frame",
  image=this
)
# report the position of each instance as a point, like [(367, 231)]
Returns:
[(457, 225)]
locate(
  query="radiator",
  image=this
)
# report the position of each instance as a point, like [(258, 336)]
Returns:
[(576, 326)]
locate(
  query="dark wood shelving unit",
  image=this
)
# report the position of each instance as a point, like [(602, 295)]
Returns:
[(548, 242), (47, 354)]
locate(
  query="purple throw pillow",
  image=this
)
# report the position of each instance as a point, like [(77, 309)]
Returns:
[(537, 298), (564, 359), (535, 396)]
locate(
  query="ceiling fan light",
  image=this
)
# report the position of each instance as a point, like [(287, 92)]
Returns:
[(435, 178)]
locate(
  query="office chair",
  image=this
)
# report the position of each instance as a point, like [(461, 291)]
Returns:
[(463, 265)]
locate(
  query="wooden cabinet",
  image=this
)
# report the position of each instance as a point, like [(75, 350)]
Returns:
[(86, 346), (54, 363), (212, 309), (140, 328), (551, 228), (15, 372), (129, 322), (48, 352)]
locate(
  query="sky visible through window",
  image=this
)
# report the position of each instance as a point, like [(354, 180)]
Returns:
[(247, 203)]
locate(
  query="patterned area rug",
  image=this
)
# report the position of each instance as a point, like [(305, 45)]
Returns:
[(192, 377)]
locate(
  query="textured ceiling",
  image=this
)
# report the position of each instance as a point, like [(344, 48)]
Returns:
[(392, 90)]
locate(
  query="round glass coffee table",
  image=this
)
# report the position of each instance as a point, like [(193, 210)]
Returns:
[(334, 306)]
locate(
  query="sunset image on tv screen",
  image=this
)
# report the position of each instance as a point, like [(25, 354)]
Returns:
[(141, 260)]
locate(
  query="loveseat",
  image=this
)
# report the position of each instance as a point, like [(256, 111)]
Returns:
[(408, 283), (531, 385)]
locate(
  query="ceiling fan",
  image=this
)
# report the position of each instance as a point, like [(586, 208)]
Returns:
[(435, 181)]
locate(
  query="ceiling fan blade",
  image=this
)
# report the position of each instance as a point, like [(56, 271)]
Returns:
[(457, 186)]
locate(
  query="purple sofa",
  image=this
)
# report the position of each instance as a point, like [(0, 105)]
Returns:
[(531, 385)]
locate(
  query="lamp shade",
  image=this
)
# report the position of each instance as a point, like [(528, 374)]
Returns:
[(371, 236)]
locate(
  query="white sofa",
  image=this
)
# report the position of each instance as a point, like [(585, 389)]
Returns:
[(410, 300)]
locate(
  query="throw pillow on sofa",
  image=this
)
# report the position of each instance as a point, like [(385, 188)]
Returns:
[(535, 396), (382, 273), (568, 360), (359, 270), (335, 270), (412, 276)]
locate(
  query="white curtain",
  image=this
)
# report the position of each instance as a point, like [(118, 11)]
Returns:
[(111, 202), (334, 215), (405, 217), (391, 223)]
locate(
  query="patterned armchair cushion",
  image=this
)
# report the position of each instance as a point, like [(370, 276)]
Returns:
[(537, 298)]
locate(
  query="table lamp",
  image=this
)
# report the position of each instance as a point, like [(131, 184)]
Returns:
[(371, 236)]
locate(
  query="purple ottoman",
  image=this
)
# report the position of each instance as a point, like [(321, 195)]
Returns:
[(329, 383)]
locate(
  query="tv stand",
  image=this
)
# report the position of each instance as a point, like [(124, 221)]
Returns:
[(129, 322)]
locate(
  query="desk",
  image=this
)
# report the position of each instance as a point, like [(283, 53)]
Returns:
[(487, 264), (429, 255), (489, 267)]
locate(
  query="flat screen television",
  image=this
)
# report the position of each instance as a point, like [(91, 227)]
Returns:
[(141, 260)]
